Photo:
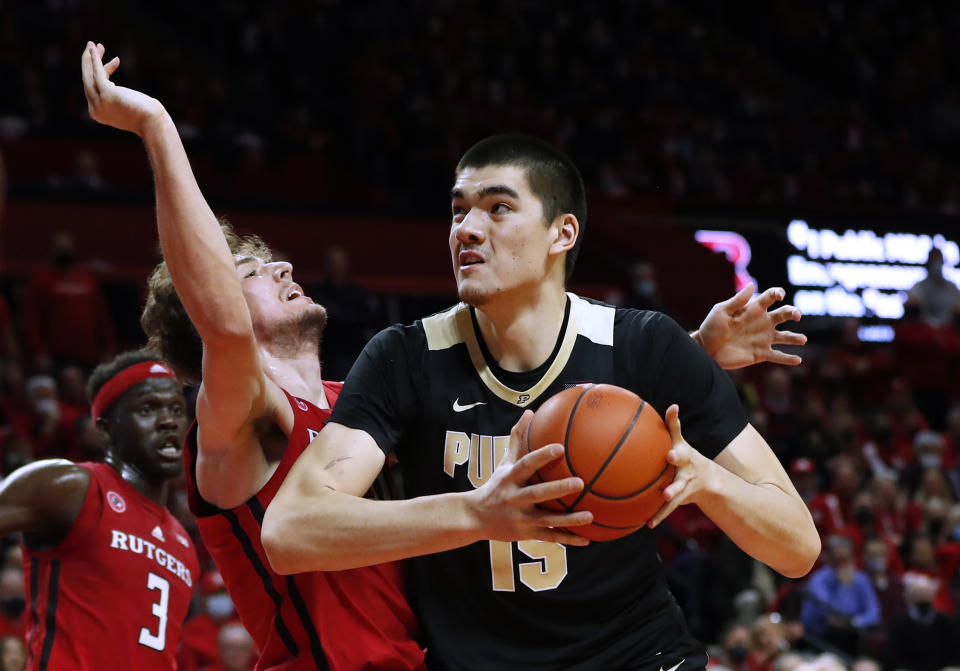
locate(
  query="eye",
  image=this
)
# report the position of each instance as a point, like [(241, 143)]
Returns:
[(178, 410), (458, 211), (145, 409), (500, 208), (250, 274)]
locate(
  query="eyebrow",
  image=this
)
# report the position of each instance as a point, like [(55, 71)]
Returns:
[(244, 259), (492, 190)]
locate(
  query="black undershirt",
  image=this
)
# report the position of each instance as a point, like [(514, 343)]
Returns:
[(520, 380)]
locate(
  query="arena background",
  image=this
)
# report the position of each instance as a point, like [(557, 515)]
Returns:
[(707, 132)]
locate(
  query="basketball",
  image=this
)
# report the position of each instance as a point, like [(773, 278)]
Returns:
[(617, 444)]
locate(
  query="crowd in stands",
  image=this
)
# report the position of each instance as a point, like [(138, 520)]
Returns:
[(365, 104)]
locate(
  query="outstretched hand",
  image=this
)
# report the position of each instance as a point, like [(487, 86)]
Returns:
[(506, 506), (693, 470), (110, 104), (742, 330)]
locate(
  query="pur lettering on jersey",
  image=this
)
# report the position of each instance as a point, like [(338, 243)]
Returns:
[(312, 433), (130, 543), (480, 453)]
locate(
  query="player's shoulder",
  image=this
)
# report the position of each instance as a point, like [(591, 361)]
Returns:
[(54, 475)]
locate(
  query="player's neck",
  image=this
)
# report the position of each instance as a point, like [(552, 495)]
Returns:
[(156, 491), (521, 332), (299, 374)]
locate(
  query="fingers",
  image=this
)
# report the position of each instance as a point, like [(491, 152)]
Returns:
[(518, 438), (548, 491), (782, 358), (739, 300), (530, 463), (99, 73), (562, 537), (86, 71), (789, 338), (112, 66), (771, 296), (785, 313), (580, 518), (663, 513), (672, 420)]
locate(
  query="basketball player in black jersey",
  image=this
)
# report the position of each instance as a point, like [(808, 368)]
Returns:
[(495, 581)]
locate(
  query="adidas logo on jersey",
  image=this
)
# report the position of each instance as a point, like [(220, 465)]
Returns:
[(158, 534)]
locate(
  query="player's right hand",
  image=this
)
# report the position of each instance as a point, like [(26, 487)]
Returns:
[(110, 104), (506, 506)]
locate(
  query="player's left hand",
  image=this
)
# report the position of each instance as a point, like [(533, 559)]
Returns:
[(742, 330), (693, 470)]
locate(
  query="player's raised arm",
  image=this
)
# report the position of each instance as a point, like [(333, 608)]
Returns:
[(204, 272), (318, 520), (742, 330), (42, 500)]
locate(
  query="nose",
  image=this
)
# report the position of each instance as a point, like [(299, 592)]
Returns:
[(281, 270), (469, 230), (168, 418)]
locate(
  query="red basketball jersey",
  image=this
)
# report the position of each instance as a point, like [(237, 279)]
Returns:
[(115, 592), (339, 620)]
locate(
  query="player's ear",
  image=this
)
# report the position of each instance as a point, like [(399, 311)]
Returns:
[(105, 429), (565, 229)]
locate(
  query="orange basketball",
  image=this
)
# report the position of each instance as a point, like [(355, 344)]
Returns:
[(617, 444)]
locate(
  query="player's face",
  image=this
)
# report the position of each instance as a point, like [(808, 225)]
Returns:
[(149, 426), (273, 298), (499, 240)]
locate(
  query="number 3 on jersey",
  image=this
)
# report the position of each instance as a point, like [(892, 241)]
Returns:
[(157, 641), (546, 572)]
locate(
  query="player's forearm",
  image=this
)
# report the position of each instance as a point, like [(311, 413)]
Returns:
[(331, 531), (769, 524), (197, 255)]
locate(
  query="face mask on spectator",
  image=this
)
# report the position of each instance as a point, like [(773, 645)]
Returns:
[(863, 516), (219, 606), (877, 564), (13, 606), (935, 526), (738, 653), (930, 460), (47, 407)]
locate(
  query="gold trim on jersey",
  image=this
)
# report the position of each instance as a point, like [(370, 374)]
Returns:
[(454, 326)]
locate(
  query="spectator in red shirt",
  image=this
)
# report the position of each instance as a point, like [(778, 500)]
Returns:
[(50, 425), (832, 510), (65, 315)]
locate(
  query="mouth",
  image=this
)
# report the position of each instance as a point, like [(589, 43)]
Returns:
[(170, 448), (293, 292), (468, 258)]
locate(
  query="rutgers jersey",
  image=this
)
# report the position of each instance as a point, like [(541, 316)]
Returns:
[(115, 592), (433, 393), (340, 620)]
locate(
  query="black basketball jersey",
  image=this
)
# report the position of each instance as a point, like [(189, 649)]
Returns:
[(433, 393)]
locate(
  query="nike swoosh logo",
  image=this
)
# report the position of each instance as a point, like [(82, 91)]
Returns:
[(460, 408), (675, 666)]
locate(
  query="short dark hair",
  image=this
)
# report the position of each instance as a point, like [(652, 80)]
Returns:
[(165, 321), (552, 176), (107, 371)]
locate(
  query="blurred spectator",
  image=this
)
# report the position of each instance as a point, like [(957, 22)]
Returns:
[(832, 510), (351, 315), (921, 639), (49, 424), (13, 616), (644, 293), (66, 294), (198, 643), (936, 297), (803, 473), (71, 385), (734, 648), (235, 649), (865, 664), (840, 600), (768, 643), (13, 654), (885, 579)]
